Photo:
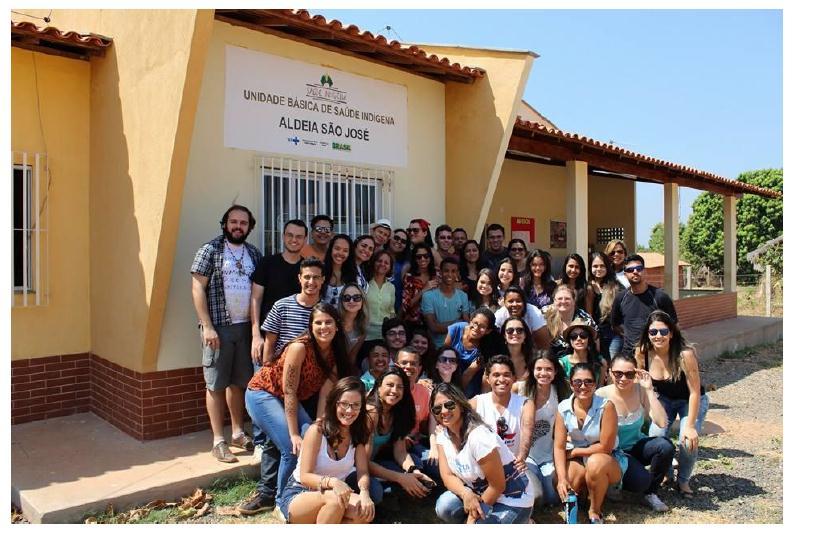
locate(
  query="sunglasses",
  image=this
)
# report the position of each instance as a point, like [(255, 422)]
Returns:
[(517, 250), (636, 268), (616, 252), (400, 240), (352, 298), (664, 332), (449, 405), (422, 256), (629, 375), (575, 335), (443, 359), (414, 230), (578, 383), (321, 229), (444, 237), (514, 331)]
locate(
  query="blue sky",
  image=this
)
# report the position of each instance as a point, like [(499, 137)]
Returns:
[(701, 88)]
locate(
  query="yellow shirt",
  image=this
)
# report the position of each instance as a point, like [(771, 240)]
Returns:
[(380, 302)]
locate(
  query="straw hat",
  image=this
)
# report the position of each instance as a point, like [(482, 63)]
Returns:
[(578, 323)]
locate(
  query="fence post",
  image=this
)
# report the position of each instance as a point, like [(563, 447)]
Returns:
[(768, 303)]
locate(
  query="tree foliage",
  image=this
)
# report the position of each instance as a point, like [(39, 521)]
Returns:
[(759, 219), (657, 239)]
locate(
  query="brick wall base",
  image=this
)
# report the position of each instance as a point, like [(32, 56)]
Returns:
[(698, 310), (147, 406)]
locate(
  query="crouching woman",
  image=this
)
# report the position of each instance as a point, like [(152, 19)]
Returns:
[(476, 466), (318, 491)]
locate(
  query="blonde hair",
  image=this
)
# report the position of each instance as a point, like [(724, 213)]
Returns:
[(611, 246), (554, 322)]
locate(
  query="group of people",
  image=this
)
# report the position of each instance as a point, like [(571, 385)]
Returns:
[(400, 362)]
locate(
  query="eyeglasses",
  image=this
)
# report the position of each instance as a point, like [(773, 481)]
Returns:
[(476, 325), (408, 363), (628, 375), (442, 359), (392, 333), (399, 240), (352, 298), (422, 256), (444, 238), (517, 250), (321, 229), (414, 230), (636, 268), (347, 406), (578, 383), (514, 331), (449, 405), (575, 335), (664, 332)]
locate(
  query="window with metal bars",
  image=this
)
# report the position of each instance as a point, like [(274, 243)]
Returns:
[(353, 197), (29, 229)]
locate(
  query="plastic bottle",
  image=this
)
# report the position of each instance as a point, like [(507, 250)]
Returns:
[(571, 508)]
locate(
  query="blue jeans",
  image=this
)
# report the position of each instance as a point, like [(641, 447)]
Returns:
[(451, 510), (542, 479), (268, 413), (615, 345), (270, 459), (679, 408), (657, 452), (419, 454)]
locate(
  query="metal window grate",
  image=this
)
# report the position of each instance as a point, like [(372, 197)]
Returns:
[(29, 214), (354, 197)]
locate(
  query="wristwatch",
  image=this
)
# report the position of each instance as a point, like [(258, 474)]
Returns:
[(412, 468)]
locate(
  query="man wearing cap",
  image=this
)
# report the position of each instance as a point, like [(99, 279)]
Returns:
[(381, 231), (322, 232)]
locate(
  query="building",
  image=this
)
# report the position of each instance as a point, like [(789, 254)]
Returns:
[(130, 138)]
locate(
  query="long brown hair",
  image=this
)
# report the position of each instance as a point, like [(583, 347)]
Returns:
[(331, 426), (676, 345)]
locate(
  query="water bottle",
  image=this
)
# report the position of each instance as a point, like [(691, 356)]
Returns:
[(571, 508)]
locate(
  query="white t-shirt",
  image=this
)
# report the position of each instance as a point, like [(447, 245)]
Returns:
[(325, 465), (511, 427), (532, 317), (237, 285), (621, 276), (465, 463)]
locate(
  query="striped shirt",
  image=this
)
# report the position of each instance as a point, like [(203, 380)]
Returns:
[(288, 320)]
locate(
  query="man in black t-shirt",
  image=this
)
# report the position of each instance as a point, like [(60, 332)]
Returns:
[(632, 307), (495, 250)]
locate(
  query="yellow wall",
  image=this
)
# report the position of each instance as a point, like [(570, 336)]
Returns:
[(539, 191), (59, 128), (479, 121), (218, 176), (142, 96)]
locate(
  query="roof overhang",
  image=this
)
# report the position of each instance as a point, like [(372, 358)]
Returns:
[(53, 41), (532, 142), (297, 24)]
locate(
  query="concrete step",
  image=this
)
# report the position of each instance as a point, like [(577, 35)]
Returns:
[(65, 468), (733, 334)]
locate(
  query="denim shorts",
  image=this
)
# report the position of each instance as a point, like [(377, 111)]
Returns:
[(290, 491)]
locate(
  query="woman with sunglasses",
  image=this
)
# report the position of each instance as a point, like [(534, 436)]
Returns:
[(560, 315), (515, 306), (421, 278), (466, 338), (506, 272), (602, 289), (582, 350), (635, 398), (537, 279), (517, 249), (589, 460), (616, 252), (354, 319), (470, 264), (363, 249), (672, 365), (392, 415), (444, 243), (544, 387), (574, 275), (381, 294), (518, 342), (478, 471), (332, 461), (487, 290), (339, 267), (401, 252)]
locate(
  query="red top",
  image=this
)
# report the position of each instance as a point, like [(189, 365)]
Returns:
[(270, 377)]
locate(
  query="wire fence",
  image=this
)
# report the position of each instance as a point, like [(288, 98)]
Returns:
[(753, 291)]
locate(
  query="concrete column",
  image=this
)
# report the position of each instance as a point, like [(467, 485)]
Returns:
[(577, 208), (671, 239), (730, 243)]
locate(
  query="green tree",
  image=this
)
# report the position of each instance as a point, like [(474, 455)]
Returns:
[(658, 238), (759, 219)]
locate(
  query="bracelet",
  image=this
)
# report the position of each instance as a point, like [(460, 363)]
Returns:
[(412, 468)]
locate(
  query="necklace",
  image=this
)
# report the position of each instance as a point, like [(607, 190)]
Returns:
[(238, 264)]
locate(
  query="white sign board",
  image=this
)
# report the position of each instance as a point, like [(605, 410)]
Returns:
[(273, 104)]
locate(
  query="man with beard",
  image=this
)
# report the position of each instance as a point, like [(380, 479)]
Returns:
[(221, 292)]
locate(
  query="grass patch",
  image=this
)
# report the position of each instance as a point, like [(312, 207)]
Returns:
[(231, 491)]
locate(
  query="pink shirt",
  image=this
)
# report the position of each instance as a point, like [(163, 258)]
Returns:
[(422, 401)]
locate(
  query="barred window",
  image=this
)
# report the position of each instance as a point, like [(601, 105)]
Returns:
[(29, 229)]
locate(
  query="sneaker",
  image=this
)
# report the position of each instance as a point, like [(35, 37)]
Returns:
[(222, 452), (654, 502), (256, 504), (243, 442), (257, 453)]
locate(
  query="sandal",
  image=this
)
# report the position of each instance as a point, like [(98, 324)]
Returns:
[(597, 520), (685, 492)]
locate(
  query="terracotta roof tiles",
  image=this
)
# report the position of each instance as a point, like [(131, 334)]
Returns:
[(53, 40)]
